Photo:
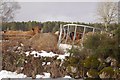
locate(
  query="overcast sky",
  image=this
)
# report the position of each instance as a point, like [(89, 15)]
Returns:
[(57, 11)]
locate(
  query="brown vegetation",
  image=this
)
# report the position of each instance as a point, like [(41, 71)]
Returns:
[(44, 41), (12, 35)]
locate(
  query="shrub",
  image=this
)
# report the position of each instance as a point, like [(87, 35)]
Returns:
[(12, 60), (102, 65), (73, 60), (108, 71), (102, 45), (93, 73), (92, 41), (117, 39), (79, 53), (73, 51), (117, 74), (91, 62)]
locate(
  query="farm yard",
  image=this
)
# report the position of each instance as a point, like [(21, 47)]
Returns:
[(41, 57), (59, 49)]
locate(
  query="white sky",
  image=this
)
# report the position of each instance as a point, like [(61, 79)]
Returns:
[(58, 11), (67, 0)]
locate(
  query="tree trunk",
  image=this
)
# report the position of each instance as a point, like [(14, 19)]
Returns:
[(106, 27)]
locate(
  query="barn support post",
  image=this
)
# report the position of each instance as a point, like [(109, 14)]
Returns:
[(64, 34), (59, 40), (83, 36), (74, 34), (67, 34)]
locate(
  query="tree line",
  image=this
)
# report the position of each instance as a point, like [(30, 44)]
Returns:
[(50, 26)]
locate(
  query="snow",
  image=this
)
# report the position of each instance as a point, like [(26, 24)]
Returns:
[(67, 76), (8, 74), (62, 57), (46, 54), (27, 53), (39, 76), (43, 63), (65, 46), (48, 63), (46, 75), (42, 53)]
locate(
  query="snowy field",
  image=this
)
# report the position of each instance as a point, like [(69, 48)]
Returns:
[(8, 74)]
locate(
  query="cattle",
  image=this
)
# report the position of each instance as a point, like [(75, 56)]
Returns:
[(71, 35), (77, 37)]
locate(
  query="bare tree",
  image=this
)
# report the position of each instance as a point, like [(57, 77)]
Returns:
[(7, 10), (107, 12)]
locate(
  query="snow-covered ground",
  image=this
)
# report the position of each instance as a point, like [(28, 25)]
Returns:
[(51, 54), (8, 74)]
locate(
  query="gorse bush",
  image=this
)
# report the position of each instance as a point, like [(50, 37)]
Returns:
[(117, 39), (92, 41), (101, 45), (91, 62)]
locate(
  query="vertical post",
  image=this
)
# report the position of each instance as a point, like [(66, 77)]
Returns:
[(93, 30), (83, 35), (64, 34), (74, 34), (67, 34), (59, 40)]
